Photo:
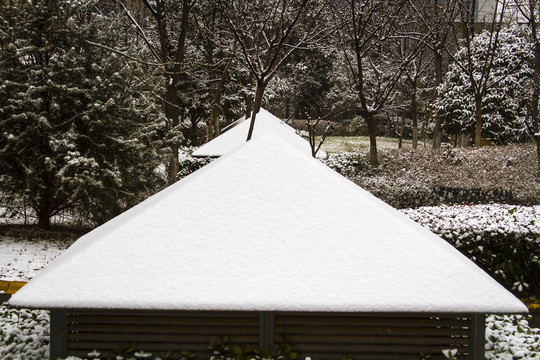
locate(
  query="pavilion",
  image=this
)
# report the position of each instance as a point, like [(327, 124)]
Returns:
[(236, 135), (262, 242)]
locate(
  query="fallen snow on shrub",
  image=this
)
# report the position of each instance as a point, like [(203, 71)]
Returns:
[(24, 334), (346, 163), (493, 219), (504, 240), (510, 337)]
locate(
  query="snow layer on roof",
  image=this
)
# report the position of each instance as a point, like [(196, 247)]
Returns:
[(265, 227), (265, 122)]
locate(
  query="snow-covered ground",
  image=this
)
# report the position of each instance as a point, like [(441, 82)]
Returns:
[(21, 260)]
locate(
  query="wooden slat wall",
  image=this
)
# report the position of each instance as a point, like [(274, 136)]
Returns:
[(374, 336), (158, 331), (326, 336)]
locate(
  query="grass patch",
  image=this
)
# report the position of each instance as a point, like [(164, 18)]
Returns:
[(335, 144)]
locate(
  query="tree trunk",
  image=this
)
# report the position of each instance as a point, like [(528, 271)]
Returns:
[(44, 220), (43, 210), (537, 137), (217, 128), (423, 132), (401, 132), (249, 99), (478, 116), (437, 134), (372, 132), (172, 114), (256, 107), (536, 90), (414, 112), (175, 60)]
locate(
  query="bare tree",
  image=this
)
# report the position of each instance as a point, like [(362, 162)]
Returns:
[(530, 10), (414, 75), (366, 28), (435, 21), (268, 32)]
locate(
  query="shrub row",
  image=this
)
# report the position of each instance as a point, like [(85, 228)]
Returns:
[(424, 177), (504, 240)]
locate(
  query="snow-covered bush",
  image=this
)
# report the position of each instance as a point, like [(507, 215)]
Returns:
[(401, 192), (409, 179), (510, 337), (504, 103), (347, 163), (504, 240), (24, 334), (189, 163)]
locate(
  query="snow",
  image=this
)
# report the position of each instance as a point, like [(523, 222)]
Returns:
[(492, 218), (24, 334), (250, 227), (265, 122), (510, 337), (20, 260)]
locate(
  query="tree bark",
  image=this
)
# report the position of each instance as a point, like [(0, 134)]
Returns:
[(401, 132), (372, 132), (414, 112), (175, 58), (44, 221), (44, 204), (437, 135), (536, 84), (478, 117), (256, 106), (172, 113)]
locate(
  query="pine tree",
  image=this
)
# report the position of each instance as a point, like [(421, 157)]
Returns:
[(76, 120)]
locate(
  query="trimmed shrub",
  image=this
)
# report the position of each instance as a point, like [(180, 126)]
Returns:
[(504, 240), (348, 164), (413, 178)]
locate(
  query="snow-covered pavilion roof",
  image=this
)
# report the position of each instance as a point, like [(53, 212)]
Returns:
[(265, 227), (265, 122)]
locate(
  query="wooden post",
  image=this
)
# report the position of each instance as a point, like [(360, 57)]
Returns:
[(58, 333), (478, 335), (266, 329)]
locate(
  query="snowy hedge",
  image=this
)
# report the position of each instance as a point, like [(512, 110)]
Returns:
[(346, 163), (410, 179), (24, 334), (510, 337), (504, 240)]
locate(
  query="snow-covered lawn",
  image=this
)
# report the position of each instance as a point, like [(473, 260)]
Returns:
[(336, 144), (21, 260)]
